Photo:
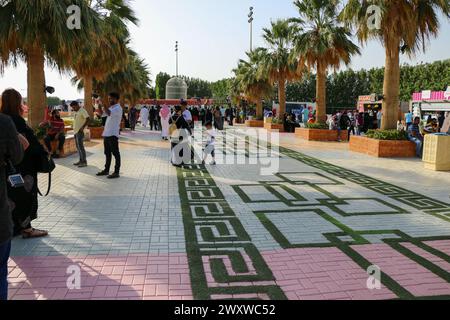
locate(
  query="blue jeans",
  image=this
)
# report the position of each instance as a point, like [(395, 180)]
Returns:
[(419, 145), (5, 250)]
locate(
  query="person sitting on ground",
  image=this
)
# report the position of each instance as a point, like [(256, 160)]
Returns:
[(415, 136), (55, 132)]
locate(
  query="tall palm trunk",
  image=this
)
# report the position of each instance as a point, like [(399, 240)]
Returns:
[(282, 97), (88, 91), (259, 108), (321, 94), (36, 87), (391, 87)]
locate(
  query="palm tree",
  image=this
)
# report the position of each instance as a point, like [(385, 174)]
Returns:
[(107, 51), (322, 43), (249, 81), (405, 26), (36, 31), (276, 62), (132, 81)]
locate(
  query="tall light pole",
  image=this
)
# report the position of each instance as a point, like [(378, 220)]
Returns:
[(176, 50), (250, 21)]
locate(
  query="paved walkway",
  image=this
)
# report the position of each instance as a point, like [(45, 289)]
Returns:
[(309, 231)]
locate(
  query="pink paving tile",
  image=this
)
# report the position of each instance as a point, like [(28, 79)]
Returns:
[(102, 277), (413, 277), (442, 245), (430, 257), (321, 274)]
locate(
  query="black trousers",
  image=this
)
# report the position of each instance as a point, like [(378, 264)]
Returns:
[(111, 145), (152, 124)]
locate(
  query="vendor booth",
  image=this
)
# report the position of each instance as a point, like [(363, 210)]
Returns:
[(431, 102), (371, 102)]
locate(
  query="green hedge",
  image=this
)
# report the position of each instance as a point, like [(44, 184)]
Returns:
[(387, 135), (277, 121), (321, 126), (95, 123)]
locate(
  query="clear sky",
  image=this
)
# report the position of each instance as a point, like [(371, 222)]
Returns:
[(213, 35)]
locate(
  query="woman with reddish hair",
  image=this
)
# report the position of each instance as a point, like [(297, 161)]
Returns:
[(25, 199)]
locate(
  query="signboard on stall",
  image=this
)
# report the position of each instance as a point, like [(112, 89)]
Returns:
[(447, 94), (426, 94)]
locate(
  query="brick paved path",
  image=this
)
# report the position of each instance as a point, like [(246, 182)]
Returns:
[(308, 232)]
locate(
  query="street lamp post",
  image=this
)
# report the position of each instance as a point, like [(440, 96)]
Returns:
[(176, 50), (250, 21)]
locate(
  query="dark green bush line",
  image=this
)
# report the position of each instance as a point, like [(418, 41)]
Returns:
[(387, 135)]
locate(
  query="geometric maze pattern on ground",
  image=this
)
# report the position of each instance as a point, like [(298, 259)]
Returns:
[(223, 262), (412, 267), (418, 201)]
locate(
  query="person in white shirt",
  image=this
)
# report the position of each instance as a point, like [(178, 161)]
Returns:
[(187, 115), (210, 144), (111, 135), (144, 116), (379, 118)]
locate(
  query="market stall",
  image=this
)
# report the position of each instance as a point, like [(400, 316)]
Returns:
[(431, 102), (368, 103)]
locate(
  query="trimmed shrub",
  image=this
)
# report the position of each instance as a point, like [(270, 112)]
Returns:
[(387, 135), (317, 126)]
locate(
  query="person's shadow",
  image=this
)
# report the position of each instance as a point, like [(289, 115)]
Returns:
[(57, 277)]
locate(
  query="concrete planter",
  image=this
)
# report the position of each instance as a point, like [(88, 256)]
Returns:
[(96, 132), (320, 134), (70, 146), (255, 123), (383, 148), (274, 127)]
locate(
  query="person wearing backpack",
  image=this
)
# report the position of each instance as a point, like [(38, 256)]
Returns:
[(25, 200)]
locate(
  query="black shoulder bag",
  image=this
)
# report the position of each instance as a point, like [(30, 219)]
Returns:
[(45, 164)]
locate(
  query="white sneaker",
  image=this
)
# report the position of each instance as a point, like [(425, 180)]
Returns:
[(212, 163)]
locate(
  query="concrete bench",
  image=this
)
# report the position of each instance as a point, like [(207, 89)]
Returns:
[(70, 146)]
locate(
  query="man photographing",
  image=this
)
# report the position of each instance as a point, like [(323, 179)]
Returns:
[(111, 135), (80, 123)]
